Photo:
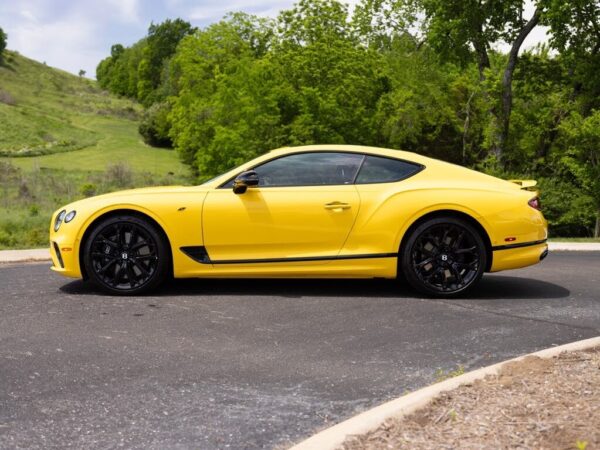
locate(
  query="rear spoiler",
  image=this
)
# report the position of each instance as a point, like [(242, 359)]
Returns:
[(528, 185)]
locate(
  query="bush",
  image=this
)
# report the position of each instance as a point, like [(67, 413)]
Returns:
[(155, 125), (570, 212), (7, 98), (8, 172), (20, 231), (88, 190), (119, 175)]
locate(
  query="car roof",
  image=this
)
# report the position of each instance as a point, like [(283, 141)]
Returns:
[(399, 154)]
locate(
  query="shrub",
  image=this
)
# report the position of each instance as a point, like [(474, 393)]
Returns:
[(88, 190), (7, 98), (570, 212), (8, 172), (119, 175), (154, 126), (24, 191)]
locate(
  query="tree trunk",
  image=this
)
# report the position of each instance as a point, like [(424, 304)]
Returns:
[(507, 84), (483, 60), (597, 229)]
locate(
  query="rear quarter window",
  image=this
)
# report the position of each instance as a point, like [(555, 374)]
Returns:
[(376, 169)]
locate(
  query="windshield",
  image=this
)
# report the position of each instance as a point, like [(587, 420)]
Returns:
[(213, 179)]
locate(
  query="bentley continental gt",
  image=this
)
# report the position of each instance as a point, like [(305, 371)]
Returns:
[(328, 211)]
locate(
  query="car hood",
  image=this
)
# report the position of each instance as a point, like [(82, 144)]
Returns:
[(134, 196)]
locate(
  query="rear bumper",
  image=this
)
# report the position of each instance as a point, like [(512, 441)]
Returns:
[(515, 257)]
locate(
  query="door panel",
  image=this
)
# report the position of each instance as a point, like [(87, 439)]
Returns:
[(279, 222)]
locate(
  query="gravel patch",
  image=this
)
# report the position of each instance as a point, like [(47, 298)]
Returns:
[(534, 403)]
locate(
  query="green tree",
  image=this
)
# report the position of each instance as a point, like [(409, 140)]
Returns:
[(154, 126), (575, 34), (3, 38), (582, 156), (161, 43), (334, 83), (208, 115), (453, 26), (119, 72)]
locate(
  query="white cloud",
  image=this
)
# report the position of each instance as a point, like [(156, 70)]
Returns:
[(63, 43), (128, 10), (28, 15)]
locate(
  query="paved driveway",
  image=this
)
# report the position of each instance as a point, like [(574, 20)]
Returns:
[(255, 364)]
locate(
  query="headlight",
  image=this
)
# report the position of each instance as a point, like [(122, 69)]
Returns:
[(59, 219), (70, 216)]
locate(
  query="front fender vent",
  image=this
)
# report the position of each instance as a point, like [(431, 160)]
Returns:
[(197, 253)]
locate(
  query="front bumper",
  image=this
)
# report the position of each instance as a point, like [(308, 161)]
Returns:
[(65, 258)]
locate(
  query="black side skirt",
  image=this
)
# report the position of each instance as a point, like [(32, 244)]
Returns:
[(199, 254)]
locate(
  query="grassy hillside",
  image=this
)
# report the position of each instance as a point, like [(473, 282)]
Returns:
[(63, 138)]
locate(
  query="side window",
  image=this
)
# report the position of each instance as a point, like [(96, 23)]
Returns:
[(310, 169), (385, 170)]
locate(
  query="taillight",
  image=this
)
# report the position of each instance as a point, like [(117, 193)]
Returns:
[(535, 203)]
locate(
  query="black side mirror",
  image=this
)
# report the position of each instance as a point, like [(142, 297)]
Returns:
[(245, 180)]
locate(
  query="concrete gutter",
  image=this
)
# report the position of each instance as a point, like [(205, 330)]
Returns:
[(43, 254), (333, 437)]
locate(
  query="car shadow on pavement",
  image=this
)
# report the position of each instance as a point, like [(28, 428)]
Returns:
[(490, 287), (505, 287)]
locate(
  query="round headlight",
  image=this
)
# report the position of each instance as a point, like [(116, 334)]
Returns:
[(59, 219), (70, 216)]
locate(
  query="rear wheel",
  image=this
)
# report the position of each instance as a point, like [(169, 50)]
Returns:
[(126, 255), (444, 257)]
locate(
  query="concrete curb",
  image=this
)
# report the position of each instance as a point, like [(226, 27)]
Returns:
[(333, 437), (574, 246), (43, 254), (14, 256)]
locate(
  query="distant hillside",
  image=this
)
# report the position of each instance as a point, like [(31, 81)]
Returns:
[(41, 108), (46, 112)]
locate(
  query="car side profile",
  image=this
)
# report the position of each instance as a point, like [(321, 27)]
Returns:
[(329, 211)]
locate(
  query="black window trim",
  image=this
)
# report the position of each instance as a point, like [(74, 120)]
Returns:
[(420, 167)]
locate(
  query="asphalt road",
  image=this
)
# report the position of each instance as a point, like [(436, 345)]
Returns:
[(255, 364)]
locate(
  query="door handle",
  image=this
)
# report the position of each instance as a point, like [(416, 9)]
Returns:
[(337, 205)]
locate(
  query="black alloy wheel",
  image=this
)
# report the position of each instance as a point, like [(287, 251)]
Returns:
[(126, 255), (444, 257)]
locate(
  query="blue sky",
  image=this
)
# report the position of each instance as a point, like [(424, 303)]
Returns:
[(77, 34)]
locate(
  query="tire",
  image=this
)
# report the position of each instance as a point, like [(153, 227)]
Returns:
[(126, 255), (443, 257)]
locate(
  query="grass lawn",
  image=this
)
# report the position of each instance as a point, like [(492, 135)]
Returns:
[(118, 141)]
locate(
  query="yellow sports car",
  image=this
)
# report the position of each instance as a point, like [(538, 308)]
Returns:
[(328, 211)]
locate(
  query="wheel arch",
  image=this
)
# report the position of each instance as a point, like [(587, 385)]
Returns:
[(117, 212), (456, 214)]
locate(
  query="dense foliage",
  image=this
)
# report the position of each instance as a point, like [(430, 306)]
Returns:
[(421, 75), (3, 38)]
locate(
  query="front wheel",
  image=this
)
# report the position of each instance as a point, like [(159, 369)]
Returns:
[(443, 257), (126, 255)]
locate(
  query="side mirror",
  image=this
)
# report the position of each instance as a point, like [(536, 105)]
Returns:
[(245, 180)]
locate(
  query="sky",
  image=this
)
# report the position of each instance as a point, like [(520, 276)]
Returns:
[(77, 34)]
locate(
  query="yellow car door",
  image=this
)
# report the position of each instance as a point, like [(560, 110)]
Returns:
[(302, 209)]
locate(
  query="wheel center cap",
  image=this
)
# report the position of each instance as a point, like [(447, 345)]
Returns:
[(444, 257), (124, 256)]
